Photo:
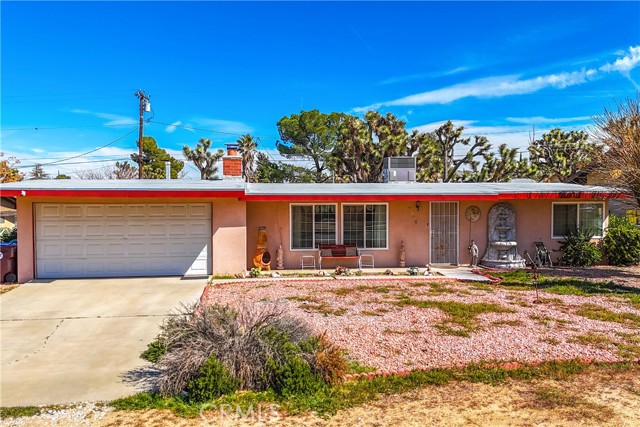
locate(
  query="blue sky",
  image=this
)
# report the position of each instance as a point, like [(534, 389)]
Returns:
[(71, 69)]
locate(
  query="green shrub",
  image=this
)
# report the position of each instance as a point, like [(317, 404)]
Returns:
[(621, 245), (9, 235), (155, 350), (213, 380), (578, 250), (294, 377)]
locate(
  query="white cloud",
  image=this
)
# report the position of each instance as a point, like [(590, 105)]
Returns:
[(172, 127), (546, 120), (37, 150), (625, 64), (491, 87), (228, 126), (113, 119), (499, 86)]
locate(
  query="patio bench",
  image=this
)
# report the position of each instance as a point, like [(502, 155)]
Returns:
[(338, 252)]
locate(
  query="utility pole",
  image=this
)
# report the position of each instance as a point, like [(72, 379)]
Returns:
[(144, 105)]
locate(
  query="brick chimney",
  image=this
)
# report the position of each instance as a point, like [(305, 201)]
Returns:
[(232, 163)]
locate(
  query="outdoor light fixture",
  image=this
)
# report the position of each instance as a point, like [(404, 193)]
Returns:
[(418, 205)]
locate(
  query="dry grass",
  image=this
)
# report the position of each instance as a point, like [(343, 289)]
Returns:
[(6, 288), (597, 398)]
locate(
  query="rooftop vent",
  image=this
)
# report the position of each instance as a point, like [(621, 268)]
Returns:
[(399, 169)]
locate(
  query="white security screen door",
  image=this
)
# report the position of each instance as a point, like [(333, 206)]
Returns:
[(444, 232)]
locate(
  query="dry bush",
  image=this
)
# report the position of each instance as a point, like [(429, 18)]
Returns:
[(329, 361), (242, 340)]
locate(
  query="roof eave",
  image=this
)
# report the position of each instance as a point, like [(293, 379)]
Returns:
[(124, 193)]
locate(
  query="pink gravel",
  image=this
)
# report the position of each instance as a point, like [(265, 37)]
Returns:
[(405, 337)]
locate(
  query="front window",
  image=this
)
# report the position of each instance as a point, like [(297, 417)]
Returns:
[(312, 225), (568, 217), (365, 226)]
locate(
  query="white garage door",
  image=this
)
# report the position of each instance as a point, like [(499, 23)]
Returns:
[(111, 240)]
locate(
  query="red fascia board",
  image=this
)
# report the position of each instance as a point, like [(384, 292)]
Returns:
[(123, 193), (562, 195), (364, 197)]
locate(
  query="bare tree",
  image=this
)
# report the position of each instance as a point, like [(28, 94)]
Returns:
[(87, 174), (619, 131)]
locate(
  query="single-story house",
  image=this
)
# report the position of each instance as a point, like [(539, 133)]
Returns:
[(111, 228)]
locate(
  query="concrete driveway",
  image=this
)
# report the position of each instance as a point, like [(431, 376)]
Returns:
[(73, 340)]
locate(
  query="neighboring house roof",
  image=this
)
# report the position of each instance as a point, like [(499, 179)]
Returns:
[(310, 192), (7, 212)]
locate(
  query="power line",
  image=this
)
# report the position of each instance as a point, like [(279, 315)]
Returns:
[(37, 128), (94, 150), (72, 163), (67, 93)]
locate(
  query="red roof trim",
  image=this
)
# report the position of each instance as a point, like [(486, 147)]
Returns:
[(123, 193)]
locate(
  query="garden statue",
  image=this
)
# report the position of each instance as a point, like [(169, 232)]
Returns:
[(279, 258), (473, 251), (403, 254)]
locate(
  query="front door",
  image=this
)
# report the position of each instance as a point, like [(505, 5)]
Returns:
[(444, 233)]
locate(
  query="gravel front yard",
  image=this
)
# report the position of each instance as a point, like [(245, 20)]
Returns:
[(399, 324)]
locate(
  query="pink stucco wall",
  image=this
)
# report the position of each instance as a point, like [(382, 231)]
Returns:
[(235, 229), (406, 223), (228, 230)]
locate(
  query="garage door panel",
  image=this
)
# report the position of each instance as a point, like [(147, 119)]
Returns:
[(50, 211), (94, 230), (199, 211), (158, 229), (94, 211), (72, 230), (94, 249), (137, 229), (197, 229), (136, 211), (157, 210), (72, 250), (112, 240), (50, 249), (178, 210), (115, 211), (73, 211)]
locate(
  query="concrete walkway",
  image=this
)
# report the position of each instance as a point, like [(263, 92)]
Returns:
[(461, 273), (73, 340)]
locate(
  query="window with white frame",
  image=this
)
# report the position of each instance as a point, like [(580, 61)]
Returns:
[(365, 225), (312, 225), (568, 217)]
